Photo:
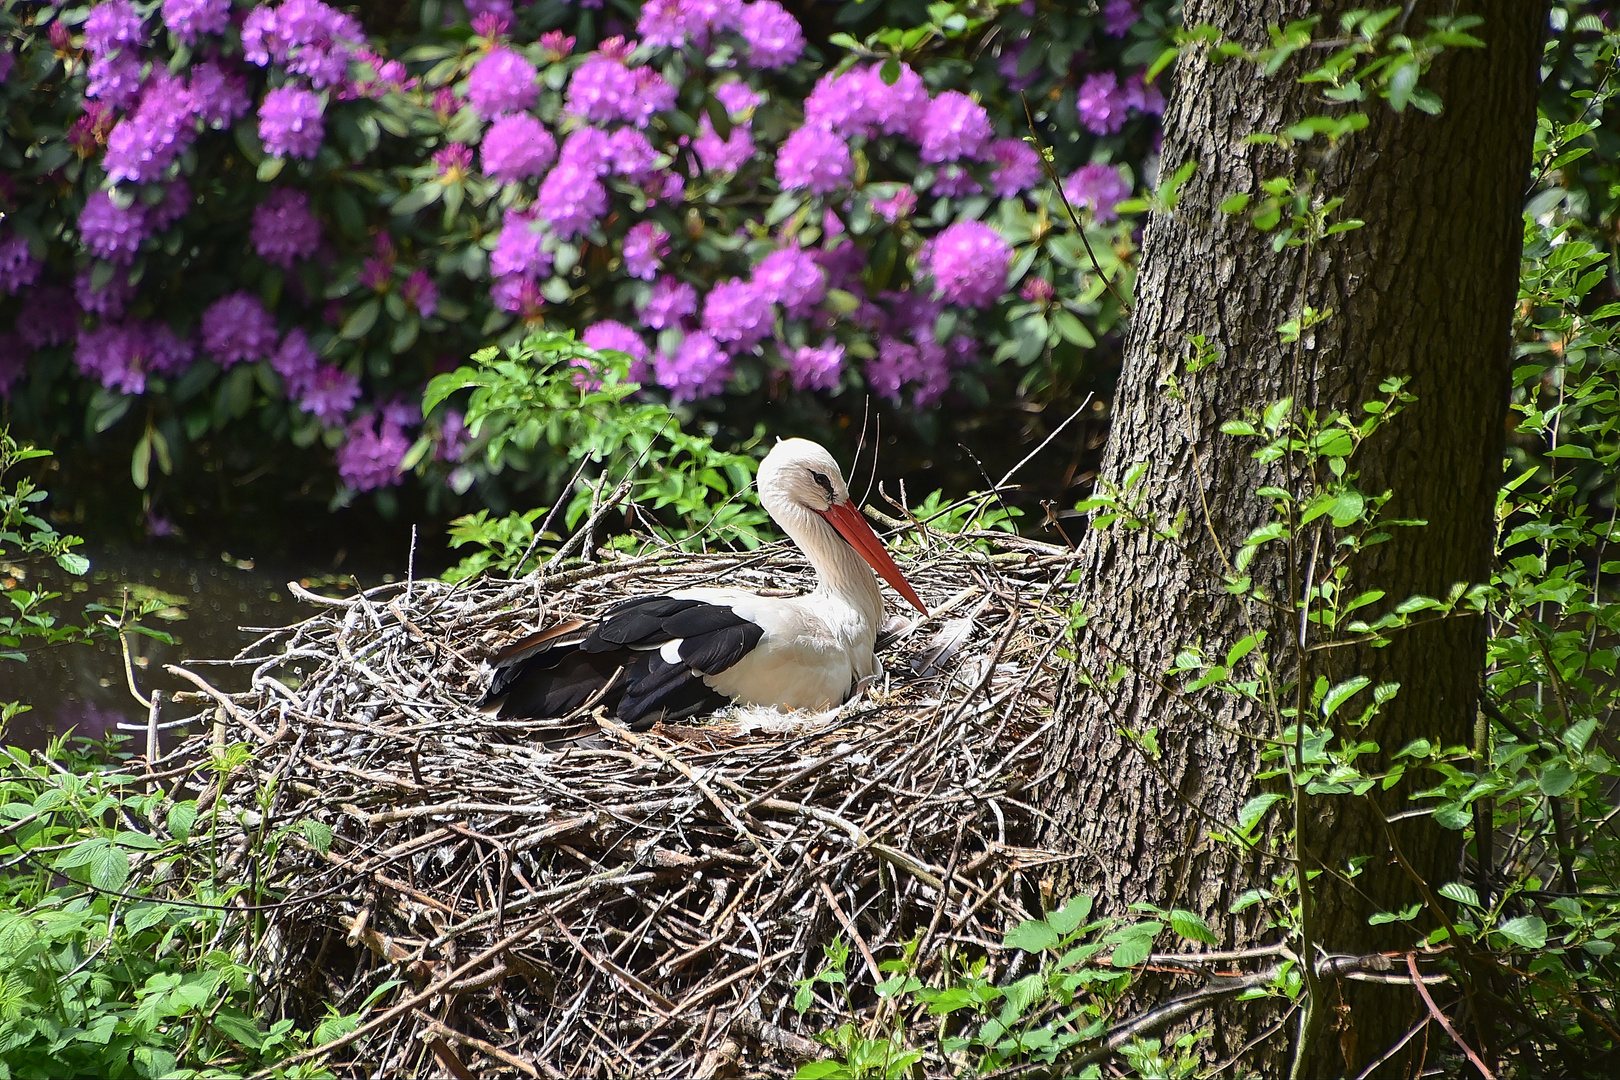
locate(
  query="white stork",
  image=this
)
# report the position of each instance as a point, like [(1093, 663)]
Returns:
[(673, 656)]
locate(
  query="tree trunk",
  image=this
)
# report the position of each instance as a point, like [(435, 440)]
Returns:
[(1425, 290)]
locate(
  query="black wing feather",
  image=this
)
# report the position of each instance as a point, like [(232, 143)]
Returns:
[(637, 623), (717, 650), (551, 674)]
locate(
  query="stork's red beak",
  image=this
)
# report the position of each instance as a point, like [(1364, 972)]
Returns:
[(853, 527)]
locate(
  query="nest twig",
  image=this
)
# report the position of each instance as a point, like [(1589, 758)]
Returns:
[(643, 904)]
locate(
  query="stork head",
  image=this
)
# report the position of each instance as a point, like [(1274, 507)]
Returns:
[(802, 474)]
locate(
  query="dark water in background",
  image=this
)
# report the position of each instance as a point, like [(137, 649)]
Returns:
[(208, 599)]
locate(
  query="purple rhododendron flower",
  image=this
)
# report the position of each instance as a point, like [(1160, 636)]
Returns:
[(968, 261), (814, 158), (491, 19), (329, 395), (736, 97), (1037, 290), (454, 162), (1103, 103), (609, 334), (601, 89), (518, 294), (791, 277), (556, 45), (952, 182), (237, 328), (901, 363), (190, 19), (842, 104), (955, 127), (774, 36), (645, 246), (653, 95), (698, 369), (588, 149), (672, 23), (296, 362), (816, 368), (143, 145), (262, 37), (219, 97), (901, 108), (306, 36), (896, 206), (1097, 187), (737, 312), (1142, 97), (420, 292), (1018, 167), (723, 155), (502, 82), (49, 318), (669, 302), (663, 24), (517, 147), (1119, 16), (115, 80), (371, 456), (121, 355), (18, 267), (290, 122), (453, 437), (843, 264), (110, 300), (112, 25), (284, 230), (112, 232), (571, 199), (630, 154)]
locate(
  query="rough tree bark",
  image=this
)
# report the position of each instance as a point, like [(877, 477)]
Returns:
[(1425, 290)]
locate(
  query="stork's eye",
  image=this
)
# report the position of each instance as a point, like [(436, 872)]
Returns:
[(826, 484)]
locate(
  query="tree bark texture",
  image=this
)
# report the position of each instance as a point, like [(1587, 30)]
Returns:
[(1424, 290)]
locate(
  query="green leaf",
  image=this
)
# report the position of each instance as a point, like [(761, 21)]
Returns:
[(1556, 779), (1342, 693), (1456, 890), (181, 817), (1032, 936), (1191, 927), (1131, 951), (1347, 508), (140, 461), (1236, 203), (1577, 735), (1255, 809), (73, 564), (1529, 931), (1070, 915), (319, 834), (361, 320), (109, 868), (237, 1027), (1406, 914)]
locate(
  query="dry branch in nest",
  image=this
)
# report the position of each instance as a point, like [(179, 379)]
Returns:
[(641, 905)]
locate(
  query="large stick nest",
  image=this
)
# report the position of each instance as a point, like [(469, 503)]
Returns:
[(644, 903)]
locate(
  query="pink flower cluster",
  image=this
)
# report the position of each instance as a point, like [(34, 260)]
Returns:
[(772, 37)]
